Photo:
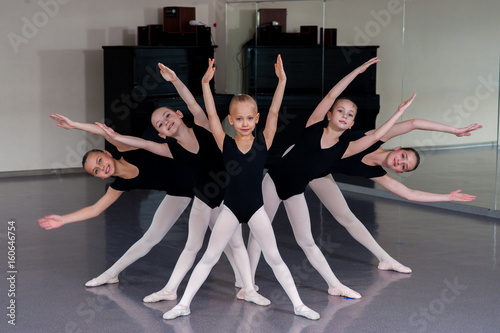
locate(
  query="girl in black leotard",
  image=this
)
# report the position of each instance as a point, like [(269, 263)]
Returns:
[(369, 164), (196, 149), (244, 156), (316, 150), (136, 169)]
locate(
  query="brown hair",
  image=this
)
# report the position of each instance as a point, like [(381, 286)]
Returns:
[(87, 154)]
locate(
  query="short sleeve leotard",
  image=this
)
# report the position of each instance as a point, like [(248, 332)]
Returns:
[(155, 173), (353, 165), (304, 162), (244, 193), (206, 167)]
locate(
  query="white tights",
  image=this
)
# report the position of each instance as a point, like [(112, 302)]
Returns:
[(330, 195), (166, 215), (298, 214), (168, 212), (200, 217), (227, 229)]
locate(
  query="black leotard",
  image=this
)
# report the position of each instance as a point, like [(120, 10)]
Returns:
[(304, 162), (206, 166), (155, 173), (353, 166), (244, 193)]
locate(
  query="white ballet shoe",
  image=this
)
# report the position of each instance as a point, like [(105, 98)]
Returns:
[(177, 311), (394, 266), (160, 296), (304, 311), (99, 281), (256, 298), (345, 292)]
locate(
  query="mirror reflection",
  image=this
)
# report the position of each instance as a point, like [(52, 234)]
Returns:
[(449, 56)]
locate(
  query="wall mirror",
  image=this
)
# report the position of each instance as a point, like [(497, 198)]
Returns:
[(446, 52)]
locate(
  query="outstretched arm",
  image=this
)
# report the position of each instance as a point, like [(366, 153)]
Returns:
[(327, 102), (401, 190), (426, 125), (56, 221), (213, 118), (161, 149), (200, 118), (68, 124), (368, 140), (272, 117)]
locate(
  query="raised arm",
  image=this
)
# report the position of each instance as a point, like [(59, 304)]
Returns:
[(200, 118), (369, 139), (161, 149), (272, 117), (427, 125), (68, 124), (401, 190), (327, 102), (56, 221), (213, 118)]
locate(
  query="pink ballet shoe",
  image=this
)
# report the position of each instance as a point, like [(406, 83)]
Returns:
[(304, 311), (345, 292), (257, 298), (394, 266), (160, 296), (177, 311), (99, 281)]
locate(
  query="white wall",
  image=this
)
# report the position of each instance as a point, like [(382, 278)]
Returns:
[(56, 66), (51, 62)]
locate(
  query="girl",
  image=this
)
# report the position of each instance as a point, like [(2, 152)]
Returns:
[(244, 156), (369, 164), (316, 150), (196, 149), (136, 169)]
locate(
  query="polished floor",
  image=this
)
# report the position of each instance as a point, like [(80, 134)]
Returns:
[(454, 287)]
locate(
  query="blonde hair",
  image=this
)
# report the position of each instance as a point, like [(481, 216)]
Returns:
[(241, 98)]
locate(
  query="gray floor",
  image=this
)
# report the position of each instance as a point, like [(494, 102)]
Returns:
[(454, 287)]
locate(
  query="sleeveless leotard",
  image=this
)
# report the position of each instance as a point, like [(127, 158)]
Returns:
[(155, 173), (206, 167), (304, 162), (353, 166), (244, 193)]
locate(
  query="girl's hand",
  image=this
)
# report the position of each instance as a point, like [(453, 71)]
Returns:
[(209, 74), (62, 121), (403, 106), (466, 130), (167, 73), (107, 130), (457, 196), (278, 68), (51, 222), (367, 64)]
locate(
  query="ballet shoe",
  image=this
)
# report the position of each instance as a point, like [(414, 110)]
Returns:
[(345, 292), (304, 311), (257, 298), (160, 296), (394, 266), (177, 311), (99, 281), (240, 286)]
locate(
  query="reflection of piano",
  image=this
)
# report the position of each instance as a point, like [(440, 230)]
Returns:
[(307, 82)]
